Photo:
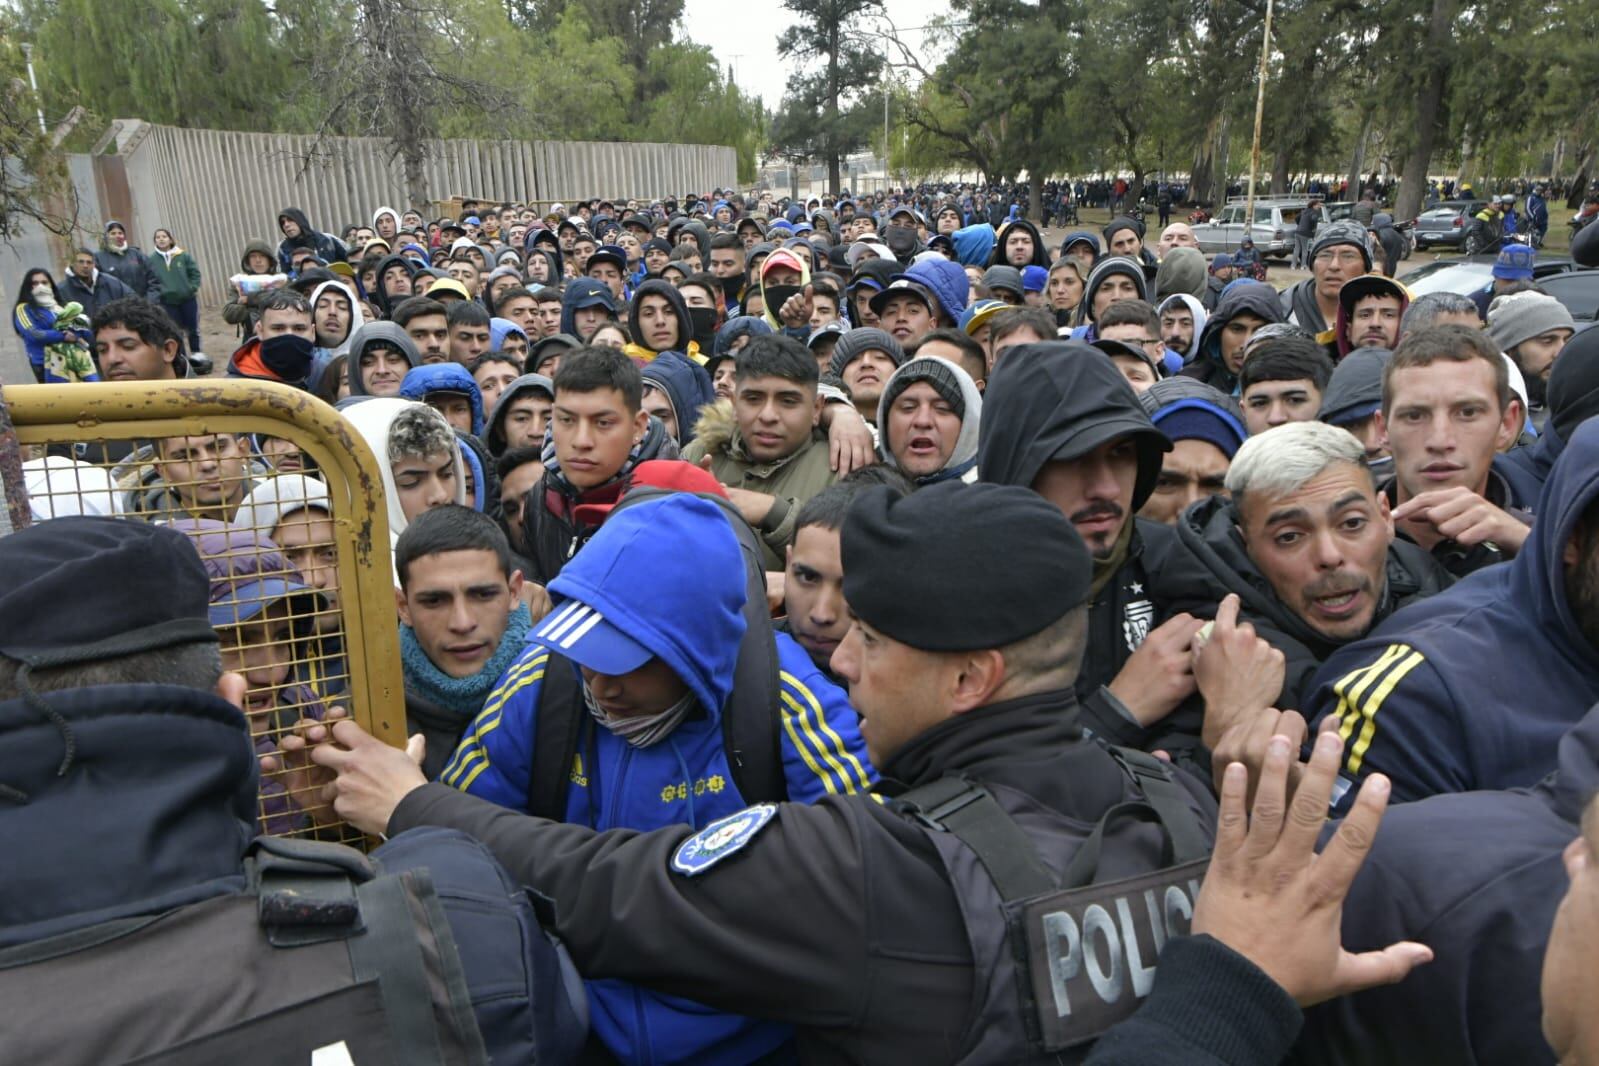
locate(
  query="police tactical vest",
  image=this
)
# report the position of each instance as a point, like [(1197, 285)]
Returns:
[(319, 956), (1065, 920)]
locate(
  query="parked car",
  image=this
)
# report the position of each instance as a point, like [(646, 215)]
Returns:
[(1563, 279), (1445, 223), (1272, 228)]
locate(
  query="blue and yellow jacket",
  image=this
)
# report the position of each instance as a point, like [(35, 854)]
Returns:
[(684, 779), (1474, 687)]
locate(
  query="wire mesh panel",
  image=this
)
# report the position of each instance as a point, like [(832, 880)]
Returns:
[(283, 503)]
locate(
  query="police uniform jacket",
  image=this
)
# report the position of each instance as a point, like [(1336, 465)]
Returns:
[(838, 917)]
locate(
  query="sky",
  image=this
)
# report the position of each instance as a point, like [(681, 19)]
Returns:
[(743, 33)]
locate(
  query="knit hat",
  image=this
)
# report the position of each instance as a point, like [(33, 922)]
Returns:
[(1188, 409), (1221, 262), (1035, 565), (658, 244), (1354, 392), (1119, 223), (937, 373), (1347, 231), (1515, 263), (859, 341), (1521, 316), (129, 587), (1004, 277)]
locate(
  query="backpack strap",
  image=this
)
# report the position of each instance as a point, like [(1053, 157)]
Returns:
[(966, 809), (556, 736), (1154, 778)]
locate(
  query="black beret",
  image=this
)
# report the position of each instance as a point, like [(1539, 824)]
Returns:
[(958, 567), (82, 589)]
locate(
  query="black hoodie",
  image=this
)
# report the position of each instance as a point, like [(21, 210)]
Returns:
[(1251, 298), (1209, 531), (1065, 398), (1040, 252), (685, 323), (380, 293), (327, 247)]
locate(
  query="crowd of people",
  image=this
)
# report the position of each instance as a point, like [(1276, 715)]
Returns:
[(868, 633)]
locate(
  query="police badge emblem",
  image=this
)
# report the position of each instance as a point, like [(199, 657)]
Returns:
[(720, 839)]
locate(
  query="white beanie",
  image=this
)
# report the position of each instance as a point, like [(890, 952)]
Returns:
[(274, 497), (1521, 316)]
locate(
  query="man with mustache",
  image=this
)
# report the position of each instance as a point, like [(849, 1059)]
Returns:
[(1060, 419), (1370, 310), (1307, 545)]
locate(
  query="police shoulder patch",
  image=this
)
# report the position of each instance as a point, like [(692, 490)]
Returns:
[(720, 839)]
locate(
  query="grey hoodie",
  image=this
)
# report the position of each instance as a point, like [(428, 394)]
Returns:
[(1200, 317), (376, 331), (962, 461)]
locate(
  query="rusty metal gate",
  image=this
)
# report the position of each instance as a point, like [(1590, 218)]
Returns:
[(284, 502)]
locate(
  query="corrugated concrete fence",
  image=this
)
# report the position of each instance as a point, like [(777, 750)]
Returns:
[(216, 190)]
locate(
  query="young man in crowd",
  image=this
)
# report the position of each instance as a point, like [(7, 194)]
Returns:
[(1246, 308), (282, 346), (1206, 429), (928, 418), (381, 354), (768, 450), (462, 622), (863, 359), (427, 322), (522, 414), (469, 332), (134, 340), (1339, 253), (1282, 380), (1531, 329), (1370, 311)]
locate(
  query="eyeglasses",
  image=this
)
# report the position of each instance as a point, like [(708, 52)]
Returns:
[(1338, 257)]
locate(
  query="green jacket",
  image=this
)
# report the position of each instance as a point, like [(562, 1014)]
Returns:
[(178, 277), (792, 479)]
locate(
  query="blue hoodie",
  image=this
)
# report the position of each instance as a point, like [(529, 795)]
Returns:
[(420, 381), (684, 779), (1475, 685), (974, 244), (584, 292), (687, 386)]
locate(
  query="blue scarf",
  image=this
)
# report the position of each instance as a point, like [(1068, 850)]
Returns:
[(464, 695)]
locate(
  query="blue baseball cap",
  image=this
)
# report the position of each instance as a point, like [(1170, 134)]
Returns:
[(1515, 263), (580, 632), (1034, 278)]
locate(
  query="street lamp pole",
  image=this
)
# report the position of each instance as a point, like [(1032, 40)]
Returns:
[(1260, 107), (27, 54)]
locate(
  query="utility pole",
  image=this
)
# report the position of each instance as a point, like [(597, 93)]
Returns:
[(1260, 107), (27, 54)]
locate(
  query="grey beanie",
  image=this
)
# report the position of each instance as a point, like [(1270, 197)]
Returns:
[(1355, 390), (1523, 315), (1005, 277), (1347, 231), (937, 373), (859, 341)]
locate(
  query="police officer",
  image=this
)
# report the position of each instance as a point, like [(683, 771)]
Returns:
[(879, 929)]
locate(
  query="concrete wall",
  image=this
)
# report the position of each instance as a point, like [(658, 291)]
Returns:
[(217, 190)]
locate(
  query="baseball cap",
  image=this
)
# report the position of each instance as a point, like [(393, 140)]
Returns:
[(980, 312), (1370, 285), (449, 285), (898, 287)]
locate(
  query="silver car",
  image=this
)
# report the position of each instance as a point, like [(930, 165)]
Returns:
[(1272, 228), (1445, 223)]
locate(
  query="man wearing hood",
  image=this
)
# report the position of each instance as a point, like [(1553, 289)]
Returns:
[(521, 416), (298, 233), (1182, 323), (586, 305), (1206, 430), (1370, 310), (1390, 240), (1113, 278), (1017, 244), (1306, 544), (386, 224), (659, 320), (450, 390), (930, 295), (281, 349), (1181, 272), (675, 391), (394, 283), (766, 445), (1573, 399), (927, 420), (649, 704), (126, 263), (1474, 688), (381, 354), (255, 276), (419, 458), (1247, 306), (1061, 420), (1339, 253)]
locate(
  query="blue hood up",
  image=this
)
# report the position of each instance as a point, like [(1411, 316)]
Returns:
[(706, 584), (584, 292), (973, 244), (444, 377), (686, 384)]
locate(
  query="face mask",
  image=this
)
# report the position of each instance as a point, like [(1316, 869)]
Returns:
[(732, 286), (901, 241), (288, 355), (704, 320), (645, 730), (43, 293), (778, 295)]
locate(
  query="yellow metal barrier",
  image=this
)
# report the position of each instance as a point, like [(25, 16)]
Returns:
[(310, 622)]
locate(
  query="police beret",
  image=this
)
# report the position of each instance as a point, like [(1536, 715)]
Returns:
[(82, 589), (958, 567)]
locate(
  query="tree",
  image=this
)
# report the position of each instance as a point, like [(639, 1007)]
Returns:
[(34, 185), (814, 112), (694, 101)]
